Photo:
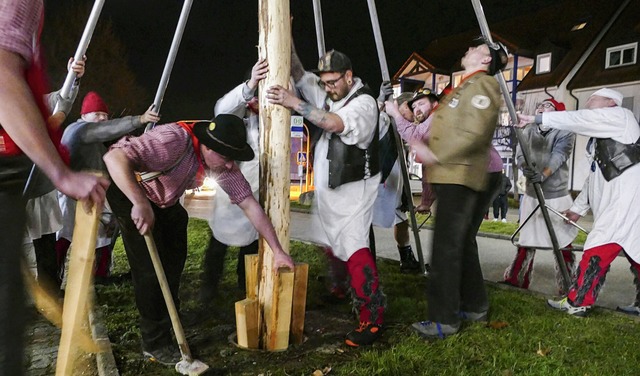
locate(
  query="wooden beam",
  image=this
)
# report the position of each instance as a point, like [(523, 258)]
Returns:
[(277, 315), (247, 329), (81, 262), (299, 302), (251, 276)]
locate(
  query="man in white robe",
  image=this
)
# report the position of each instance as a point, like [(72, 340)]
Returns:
[(612, 191)]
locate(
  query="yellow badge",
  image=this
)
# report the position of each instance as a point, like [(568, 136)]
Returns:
[(212, 126)]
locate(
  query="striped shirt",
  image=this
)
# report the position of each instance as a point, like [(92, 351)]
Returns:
[(168, 148), (19, 24)]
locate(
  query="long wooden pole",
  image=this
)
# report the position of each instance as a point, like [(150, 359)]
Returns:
[(275, 149)]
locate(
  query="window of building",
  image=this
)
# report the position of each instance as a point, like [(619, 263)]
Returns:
[(543, 63), (621, 55)]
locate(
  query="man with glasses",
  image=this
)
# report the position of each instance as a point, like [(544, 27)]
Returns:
[(347, 174), (549, 152)]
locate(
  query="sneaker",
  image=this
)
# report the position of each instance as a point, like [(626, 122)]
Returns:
[(564, 305), (408, 262), (474, 316), (495, 219), (432, 329), (365, 334), (629, 310), (167, 355), (504, 220)]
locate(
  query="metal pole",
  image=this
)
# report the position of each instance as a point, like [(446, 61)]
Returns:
[(484, 28), (378, 37), (317, 13), (173, 51), (65, 92), (392, 128)]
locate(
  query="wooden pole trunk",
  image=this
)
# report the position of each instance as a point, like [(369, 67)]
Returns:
[(275, 146)]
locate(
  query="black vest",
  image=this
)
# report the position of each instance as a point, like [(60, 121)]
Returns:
[(349, 163), (614, 157)]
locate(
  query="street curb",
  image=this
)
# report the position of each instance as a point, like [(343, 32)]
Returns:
[(105, 362)]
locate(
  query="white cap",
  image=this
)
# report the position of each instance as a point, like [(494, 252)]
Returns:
[(616, 96)]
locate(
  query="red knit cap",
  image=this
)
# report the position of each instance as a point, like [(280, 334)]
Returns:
[(93, 103), (559, 106)]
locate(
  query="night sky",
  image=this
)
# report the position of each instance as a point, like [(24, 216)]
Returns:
[(218, 47)]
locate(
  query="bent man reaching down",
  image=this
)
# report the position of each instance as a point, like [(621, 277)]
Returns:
[(148, 203)]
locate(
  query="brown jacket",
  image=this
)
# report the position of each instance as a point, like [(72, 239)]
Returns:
[(462, 130)]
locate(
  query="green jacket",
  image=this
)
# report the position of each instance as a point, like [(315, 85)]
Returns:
[(462, 130)]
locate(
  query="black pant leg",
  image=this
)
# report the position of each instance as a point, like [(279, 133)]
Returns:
[(456, 205), (155, 324), (213, 267), (46, 260), (12, 307)]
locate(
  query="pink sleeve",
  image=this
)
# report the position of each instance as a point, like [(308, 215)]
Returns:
[(19, 23), (234, 184), (156, 150)]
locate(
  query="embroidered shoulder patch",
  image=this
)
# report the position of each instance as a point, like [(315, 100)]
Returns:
[(481, 102)]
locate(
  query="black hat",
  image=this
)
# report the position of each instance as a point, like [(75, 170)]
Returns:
[(423, 93), (226, 135), (333, 61), (499, 57)]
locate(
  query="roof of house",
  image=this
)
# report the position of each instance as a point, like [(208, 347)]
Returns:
[(625, 30), (547, 30)]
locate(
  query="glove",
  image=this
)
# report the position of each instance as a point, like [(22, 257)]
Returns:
[(64, 105), (386, 90), (532, 175)]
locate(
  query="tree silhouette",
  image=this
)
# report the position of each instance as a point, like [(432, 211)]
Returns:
[(107, 73)]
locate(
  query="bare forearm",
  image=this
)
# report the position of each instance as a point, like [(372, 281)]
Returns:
[(261, 222), (326, 120)]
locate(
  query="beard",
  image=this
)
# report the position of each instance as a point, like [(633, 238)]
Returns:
[(419, 118)]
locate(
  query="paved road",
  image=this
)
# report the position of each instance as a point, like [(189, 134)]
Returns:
[(495, 255)]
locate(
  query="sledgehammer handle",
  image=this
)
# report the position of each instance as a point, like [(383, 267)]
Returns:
[(168, 298)]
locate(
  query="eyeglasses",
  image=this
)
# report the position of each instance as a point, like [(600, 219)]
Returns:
[(331, 84), (546, 105)]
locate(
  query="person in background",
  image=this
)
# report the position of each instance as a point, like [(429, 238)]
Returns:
[(44, 217), (611, 191), (501, 202), (85, 141), (549, 153), (229, 226), (388, 209)]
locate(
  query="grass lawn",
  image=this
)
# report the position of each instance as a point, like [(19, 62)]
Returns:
[(524, 337)]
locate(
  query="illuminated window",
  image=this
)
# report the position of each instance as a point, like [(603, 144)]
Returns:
[(457, 78), (621, 55), (543, 63), (579, 26)]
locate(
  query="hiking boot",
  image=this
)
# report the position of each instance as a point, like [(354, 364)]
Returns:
[(432, 329), (474, 316), (167, 355), (564, 305), (629, 310), (364, 335), (408, 262)]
